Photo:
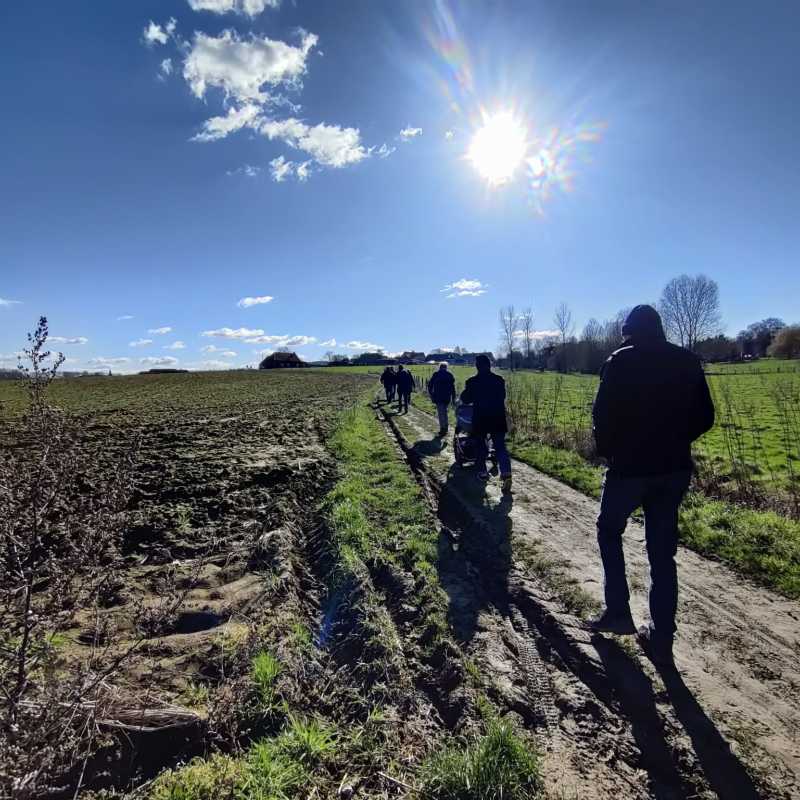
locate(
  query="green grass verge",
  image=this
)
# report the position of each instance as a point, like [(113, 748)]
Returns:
[(377, 512)]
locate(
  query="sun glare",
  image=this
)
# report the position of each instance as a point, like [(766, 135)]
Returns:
[(498, 148)]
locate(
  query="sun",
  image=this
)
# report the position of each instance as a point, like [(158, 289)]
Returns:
[(498, 148)]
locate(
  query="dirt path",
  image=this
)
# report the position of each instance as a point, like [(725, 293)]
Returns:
[(726, 724)]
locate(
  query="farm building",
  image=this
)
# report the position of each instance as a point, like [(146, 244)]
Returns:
[(411, 357), (282, 361)]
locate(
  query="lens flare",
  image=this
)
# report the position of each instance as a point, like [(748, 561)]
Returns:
[(498, 148)]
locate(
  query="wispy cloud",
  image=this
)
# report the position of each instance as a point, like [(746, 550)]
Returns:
[(251, 8), (247, 302), (384, 151), (220, 351), (166, 66), (234, 333), (140, 343), (103, 361), (449, 135), (124, 317), (465, 287), (328, 145), (410, 133), (156, 34), (175, 346), (160, 331), (283, 340), (4, 302), (328, 343), (363, 346), (211, 364), (538, 335), (67, 339), (159, 361), (248, 170)]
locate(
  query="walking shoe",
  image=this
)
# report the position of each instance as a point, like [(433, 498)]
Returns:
[(506, 485), (657, 650), (620, 622)]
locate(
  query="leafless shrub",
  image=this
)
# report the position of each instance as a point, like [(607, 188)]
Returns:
[(61, 522)]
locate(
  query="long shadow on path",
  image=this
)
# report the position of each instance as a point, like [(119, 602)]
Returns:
[(633, 691)]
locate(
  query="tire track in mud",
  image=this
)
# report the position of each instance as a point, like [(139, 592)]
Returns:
[(651, 721)]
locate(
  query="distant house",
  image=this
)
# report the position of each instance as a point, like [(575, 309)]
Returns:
[(411, 357), (372, 360), (282, 361), (163, 371)]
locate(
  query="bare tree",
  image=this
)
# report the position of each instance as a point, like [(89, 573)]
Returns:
[(526, 327), (508, 329), (689, 308), (563, 322)]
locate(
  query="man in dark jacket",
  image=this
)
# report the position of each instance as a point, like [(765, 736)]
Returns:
[(442, 391), (389, 381), (405, 385), (486, 391), (653, 402)]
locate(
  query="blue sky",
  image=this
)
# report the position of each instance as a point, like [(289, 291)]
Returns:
[(163, 160)]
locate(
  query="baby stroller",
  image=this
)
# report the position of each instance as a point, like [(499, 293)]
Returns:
[(465, 444)]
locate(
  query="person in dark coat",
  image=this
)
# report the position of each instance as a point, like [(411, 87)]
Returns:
[(405, 385), (652, 403), (442, 391), (389, 381), (486, 392)]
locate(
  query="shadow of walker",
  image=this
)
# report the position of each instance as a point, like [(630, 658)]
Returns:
[(633, 690)]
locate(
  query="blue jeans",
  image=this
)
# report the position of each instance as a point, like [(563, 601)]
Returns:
[(660, 496), (503, 459)]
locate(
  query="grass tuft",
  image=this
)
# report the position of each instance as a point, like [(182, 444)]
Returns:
[(498, 766), (265, 671)]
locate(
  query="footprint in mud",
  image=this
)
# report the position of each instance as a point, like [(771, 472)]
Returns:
[(196, 621)]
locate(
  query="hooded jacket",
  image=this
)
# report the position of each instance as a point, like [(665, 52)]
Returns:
[(652, 403)]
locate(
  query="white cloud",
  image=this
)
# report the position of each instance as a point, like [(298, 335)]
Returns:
[(214, 364), (220, 351), (252, 8), (166, 66), (302, 171), (246, 169), (124, 317), (175, 346), (234, 333), (329, 145), (219, 127), (247, 302), (241, 67), (159, 361), (363, 346), (160, 331), (67, 339), (283, 340), (140, 343), (102, 361), (449, 135), (539, 335), (409, 133), (384, 151), (156, 34), (280, 169), (4, 302), (328, 343), (465, 288)]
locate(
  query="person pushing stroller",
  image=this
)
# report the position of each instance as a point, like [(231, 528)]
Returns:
[(486, 392)]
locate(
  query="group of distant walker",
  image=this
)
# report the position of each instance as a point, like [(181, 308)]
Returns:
[(652, 403)]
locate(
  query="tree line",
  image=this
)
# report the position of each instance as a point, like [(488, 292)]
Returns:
[(689, 308)]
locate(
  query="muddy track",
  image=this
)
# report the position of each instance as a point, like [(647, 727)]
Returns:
[(726, 724)]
